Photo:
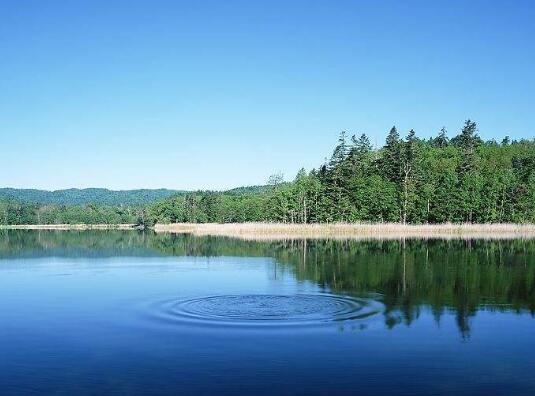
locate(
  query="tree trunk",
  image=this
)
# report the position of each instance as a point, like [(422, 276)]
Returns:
[(305, 209)]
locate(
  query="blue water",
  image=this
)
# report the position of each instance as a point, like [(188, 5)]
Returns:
[(147, 321)]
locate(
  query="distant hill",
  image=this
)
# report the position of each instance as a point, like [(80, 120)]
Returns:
[(102, 196), (75, 196)]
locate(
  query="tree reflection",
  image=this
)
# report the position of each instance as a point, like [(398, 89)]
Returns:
[(458, 276)]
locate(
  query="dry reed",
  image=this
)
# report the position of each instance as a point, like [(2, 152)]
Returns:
[(280, 231), (274, 231)]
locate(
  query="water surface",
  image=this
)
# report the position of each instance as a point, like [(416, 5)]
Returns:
[(128, 313)]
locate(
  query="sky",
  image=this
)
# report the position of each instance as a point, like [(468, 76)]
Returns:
[(219, 94)]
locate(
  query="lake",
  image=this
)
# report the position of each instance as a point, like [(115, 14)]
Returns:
[(133, 313)]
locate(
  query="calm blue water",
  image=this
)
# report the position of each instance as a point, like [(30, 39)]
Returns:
[(142, 314)]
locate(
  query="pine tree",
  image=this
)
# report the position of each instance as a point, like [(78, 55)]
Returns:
[(441, 140), (391, 161), (338, 171), (302, 190), (409, 163), (340, 152), (467, 141), (359, 155), (363, 145), (470, 183)]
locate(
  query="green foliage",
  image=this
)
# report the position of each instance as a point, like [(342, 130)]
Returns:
[(23, 213), (409, 180), (74, 196)]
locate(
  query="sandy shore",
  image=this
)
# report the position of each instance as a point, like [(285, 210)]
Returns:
[(274, 231), (65, 227)]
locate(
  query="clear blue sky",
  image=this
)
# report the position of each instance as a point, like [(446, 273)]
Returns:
[(217, 94)]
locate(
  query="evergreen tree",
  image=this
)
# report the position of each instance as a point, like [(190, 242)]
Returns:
[(410, 162), (467, 141), (391, 159), (338, 171), (441, 140)]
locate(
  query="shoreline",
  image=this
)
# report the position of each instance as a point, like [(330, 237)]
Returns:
[(282, 231), (67, 227), (275, 231)]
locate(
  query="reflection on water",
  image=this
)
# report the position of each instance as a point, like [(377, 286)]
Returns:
[(133, 313), (444, 275)]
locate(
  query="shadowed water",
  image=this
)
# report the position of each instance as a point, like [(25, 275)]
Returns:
[(111, 312)]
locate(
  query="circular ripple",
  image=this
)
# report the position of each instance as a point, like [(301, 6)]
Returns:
[(262, 309)]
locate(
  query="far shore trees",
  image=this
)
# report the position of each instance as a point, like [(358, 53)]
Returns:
[(409, 180)]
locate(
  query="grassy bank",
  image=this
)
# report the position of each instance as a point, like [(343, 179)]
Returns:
[(272, 231)]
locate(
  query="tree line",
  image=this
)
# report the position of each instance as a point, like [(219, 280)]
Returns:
[(85, 196), (14, 212), (408, 180)]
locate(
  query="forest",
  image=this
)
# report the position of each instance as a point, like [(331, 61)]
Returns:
[(84, 196), (408, 180)]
